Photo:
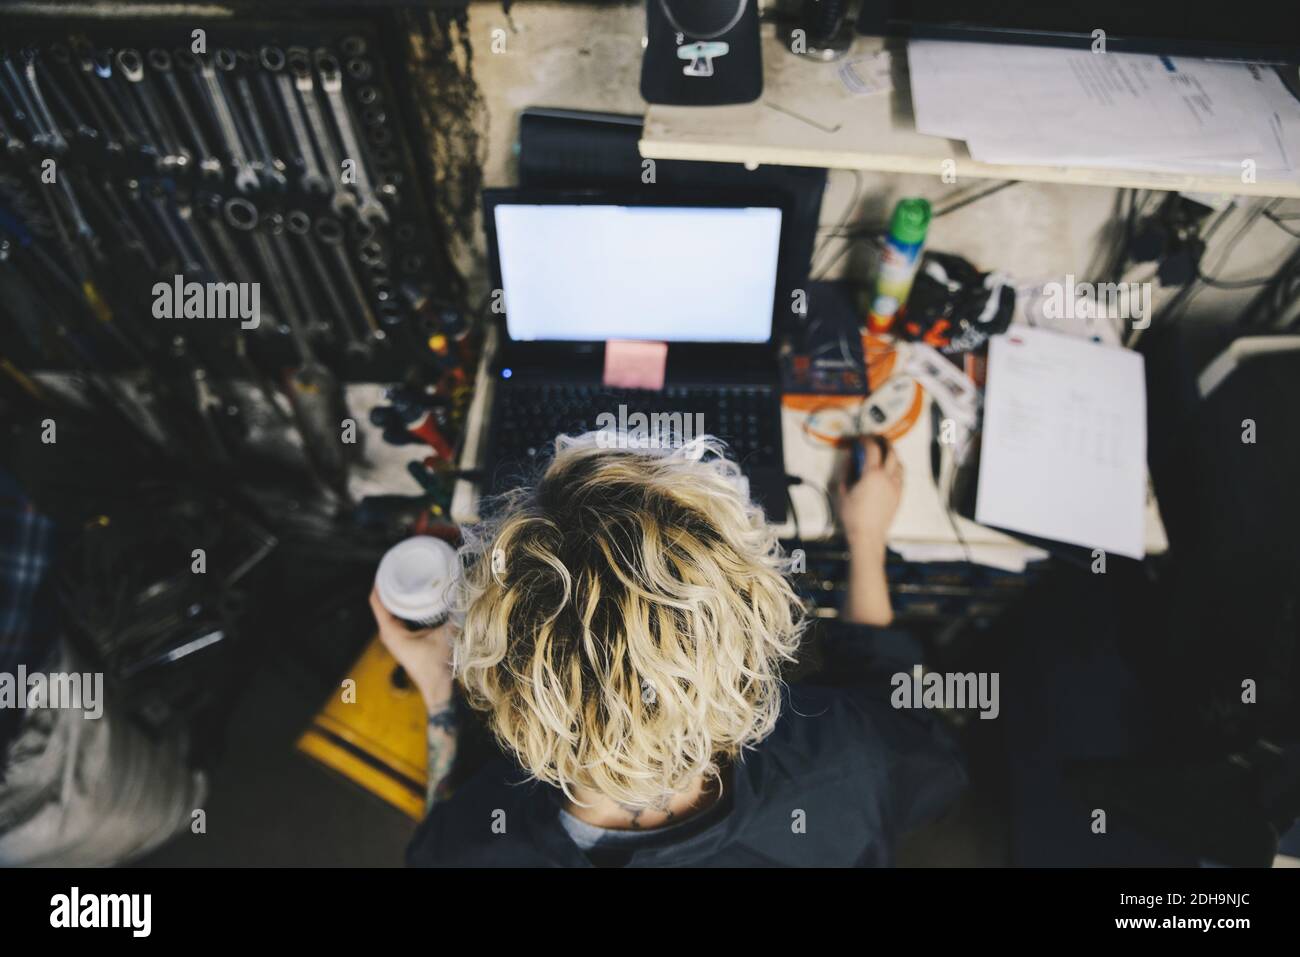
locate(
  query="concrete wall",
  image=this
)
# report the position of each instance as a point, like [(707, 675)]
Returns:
[(584, 57)]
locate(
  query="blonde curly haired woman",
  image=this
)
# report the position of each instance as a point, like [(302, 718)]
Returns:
[(625, 626)]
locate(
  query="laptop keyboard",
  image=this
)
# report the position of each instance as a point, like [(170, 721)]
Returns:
[(528, 417)]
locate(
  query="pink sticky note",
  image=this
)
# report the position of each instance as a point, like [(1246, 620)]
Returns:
[(630, 364)]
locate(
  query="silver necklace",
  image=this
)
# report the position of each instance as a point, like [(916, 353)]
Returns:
[(672, 21)]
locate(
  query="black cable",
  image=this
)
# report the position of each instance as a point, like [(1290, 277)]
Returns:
[(1179, 304), (873, 232), (792, 480), (952, 518), (844, 220), (1137, 204), (1278, 222), (794, 512), (832, 517), (853, 240), (1234, 283), (1219, 221), (1215, 281), (962, 204), (1273, 302), (1119, 257)]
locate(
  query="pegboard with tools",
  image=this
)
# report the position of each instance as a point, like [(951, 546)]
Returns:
[(280, 155)]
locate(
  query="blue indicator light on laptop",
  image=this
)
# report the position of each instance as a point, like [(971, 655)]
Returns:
[(506, 373)]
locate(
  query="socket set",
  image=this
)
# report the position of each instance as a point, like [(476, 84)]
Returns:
[(274, 154)]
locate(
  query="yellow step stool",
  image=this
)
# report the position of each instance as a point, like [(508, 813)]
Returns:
[(373, 733)]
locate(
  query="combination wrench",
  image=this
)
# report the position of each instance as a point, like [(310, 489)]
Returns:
[(304, 302), (124, 105), (10, 142), (24, 110), (188, 258), (245, 177), (272, 166), (313, 180), (370, 209), (94, 85), (185, 213), (112, 210), (314, 392), (330, 232), (277, 123), (38, 99), (49, 67), (298, 223), (161, 63), (75, 80), (172, 155), (209, 210), (300, 66)]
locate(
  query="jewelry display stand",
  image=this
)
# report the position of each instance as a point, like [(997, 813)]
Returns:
[(702, 52)]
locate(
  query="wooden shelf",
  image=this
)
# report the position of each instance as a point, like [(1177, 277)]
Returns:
[(806, 117)]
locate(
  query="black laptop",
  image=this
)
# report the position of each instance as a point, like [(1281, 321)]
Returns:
[(575, 270)]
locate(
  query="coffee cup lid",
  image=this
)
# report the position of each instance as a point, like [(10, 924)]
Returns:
[(415, 578)]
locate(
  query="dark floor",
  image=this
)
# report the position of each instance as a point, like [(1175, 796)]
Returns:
[(271, 806)]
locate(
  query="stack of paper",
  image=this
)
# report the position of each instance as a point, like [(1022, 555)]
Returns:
[(1052, 106), (1063, 455)]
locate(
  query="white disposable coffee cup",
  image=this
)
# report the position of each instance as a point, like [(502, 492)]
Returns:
[(415, 581)]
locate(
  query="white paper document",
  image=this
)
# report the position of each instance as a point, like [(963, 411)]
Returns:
[(1063, 455), (1043, 105)]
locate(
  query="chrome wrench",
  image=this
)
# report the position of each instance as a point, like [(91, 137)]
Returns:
[(29, 74), (245, 178), (131, 65), (91, 78), (313, 180), (161, 62), (370, 209), (60, 96), (300, 66), (26, 111), (299, 224), (330, 232), (123, 105), (272, 166)]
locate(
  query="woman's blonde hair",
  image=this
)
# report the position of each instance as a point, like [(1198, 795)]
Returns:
[(625, 621)]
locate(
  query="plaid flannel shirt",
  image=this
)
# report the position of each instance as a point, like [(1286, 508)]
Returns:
[(27, 628)]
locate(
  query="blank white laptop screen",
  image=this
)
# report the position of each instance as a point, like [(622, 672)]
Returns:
[(661, 273)]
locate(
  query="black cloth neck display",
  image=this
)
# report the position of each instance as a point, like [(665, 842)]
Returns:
[(702, 52)]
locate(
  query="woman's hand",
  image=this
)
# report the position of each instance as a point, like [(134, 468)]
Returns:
[(867, 508), (425, 655)]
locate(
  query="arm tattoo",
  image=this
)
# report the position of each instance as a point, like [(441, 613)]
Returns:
[(442, 752)]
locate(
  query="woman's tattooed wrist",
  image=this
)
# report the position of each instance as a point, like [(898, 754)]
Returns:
[(444, 718), (441, 735)]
